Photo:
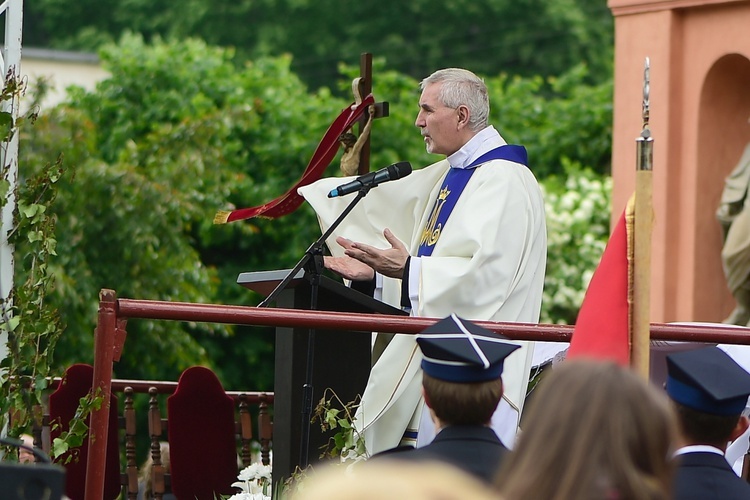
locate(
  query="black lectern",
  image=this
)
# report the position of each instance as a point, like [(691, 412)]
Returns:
[(341, 360)]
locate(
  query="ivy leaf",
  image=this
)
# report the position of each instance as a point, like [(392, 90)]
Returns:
[(6, 125), (12, 323), (35, 236), (59, 447), (340, 441), (4, 188), (330, 418), (29, 211), (75, 440)]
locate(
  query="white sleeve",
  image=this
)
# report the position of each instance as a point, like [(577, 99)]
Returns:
[(415, 268)]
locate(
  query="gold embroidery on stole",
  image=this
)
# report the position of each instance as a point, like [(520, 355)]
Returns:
[(431, 231)]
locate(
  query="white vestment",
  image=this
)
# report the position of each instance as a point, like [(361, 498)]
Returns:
[(488, 264)]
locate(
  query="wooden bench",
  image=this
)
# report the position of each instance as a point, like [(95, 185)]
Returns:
[(194, 424)]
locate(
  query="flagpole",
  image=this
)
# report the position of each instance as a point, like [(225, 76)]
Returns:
[(644, 215)]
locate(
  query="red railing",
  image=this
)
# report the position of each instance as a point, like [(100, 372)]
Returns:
[(113, 315)]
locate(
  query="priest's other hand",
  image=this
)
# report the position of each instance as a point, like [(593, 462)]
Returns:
[(349, 268), (388, 262)]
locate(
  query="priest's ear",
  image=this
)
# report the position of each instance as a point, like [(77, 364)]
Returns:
[(464, 115)]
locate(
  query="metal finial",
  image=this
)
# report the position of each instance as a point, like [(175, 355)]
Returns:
[(645, 142), (646, 92)]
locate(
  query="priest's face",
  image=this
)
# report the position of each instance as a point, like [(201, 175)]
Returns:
[(438, 123)]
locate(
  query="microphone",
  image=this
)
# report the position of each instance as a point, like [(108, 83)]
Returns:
[(372, 179)]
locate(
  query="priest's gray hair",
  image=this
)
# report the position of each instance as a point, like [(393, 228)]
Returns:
[(462, 87)]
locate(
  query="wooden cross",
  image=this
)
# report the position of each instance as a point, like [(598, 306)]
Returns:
[(381, 108)]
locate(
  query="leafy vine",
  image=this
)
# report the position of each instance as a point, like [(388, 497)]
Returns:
[(30, 323)]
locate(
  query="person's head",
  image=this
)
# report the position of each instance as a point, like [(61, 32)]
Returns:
[(454, 106), (456, 403), (697, 427), (24, 454), (145, 478), (385, 480), (709, 391), (594, 430), (462, 366)]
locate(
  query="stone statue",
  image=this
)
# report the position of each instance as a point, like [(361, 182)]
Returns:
[(734, 216)]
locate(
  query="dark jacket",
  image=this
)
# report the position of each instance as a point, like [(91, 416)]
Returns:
[(475, 449), (705, 476)]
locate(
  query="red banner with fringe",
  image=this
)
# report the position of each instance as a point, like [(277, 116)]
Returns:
[(603, 327), (321, 158)]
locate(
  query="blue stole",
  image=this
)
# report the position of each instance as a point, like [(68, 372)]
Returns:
[(451, 189)]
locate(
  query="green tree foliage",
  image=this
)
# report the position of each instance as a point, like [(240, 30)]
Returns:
[(577, 205), (573, 122), (520, 37), (178, 132)]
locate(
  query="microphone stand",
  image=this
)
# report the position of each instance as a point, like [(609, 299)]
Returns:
[(312, 261)]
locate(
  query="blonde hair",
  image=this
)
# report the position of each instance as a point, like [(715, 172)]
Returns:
[(595, 430), (386, 480), (146, 469)]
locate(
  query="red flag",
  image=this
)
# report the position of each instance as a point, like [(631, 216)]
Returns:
[(602, 329)]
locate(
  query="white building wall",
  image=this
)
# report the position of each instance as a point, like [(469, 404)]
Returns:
[(61, 69)]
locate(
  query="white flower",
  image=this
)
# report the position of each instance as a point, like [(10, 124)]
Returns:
[(255, 483), (255, 471), (248, 486), (249, 496)]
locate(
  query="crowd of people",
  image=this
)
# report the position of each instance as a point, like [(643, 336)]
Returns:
[(596, 430)]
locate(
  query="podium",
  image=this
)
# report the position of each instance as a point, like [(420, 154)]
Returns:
[(341, 359)]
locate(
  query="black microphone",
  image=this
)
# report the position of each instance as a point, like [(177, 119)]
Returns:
[(372, 179)]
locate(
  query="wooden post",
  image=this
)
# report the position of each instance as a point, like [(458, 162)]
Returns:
[(641, 337), (365, 87), (104, 348)]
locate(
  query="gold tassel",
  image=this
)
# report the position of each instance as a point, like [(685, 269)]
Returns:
[(221, 217)]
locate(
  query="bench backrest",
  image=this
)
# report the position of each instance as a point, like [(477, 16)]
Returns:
[(209, 430)]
